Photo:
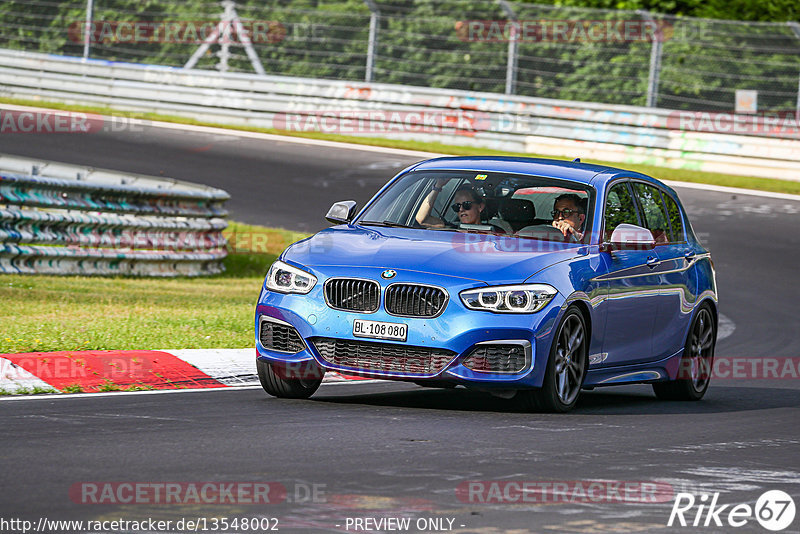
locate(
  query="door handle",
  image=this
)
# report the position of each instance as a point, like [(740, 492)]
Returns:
[(688, 255), (651, 261)]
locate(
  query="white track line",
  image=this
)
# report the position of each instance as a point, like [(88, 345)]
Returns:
[(60, 396), (368, 148), (732, 190), (241, 133)]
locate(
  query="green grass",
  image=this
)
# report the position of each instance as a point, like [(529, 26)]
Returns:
[(663, 173), (21, 390), (54, 313)]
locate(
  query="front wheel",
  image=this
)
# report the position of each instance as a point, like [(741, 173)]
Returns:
[(291, 380), (694, 370), (566, 367)]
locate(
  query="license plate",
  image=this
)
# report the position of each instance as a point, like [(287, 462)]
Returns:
[(379, 330)]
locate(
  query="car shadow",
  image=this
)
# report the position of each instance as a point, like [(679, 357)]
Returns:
[(629, 400), (624, 400), (425, 398)]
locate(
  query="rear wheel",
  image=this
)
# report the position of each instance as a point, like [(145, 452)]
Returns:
[(694, 372), (290, 381), (566, 367)]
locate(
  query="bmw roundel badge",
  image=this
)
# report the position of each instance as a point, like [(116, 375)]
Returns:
[(388, 273)]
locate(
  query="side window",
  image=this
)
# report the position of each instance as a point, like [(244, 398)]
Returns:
[(675, 220), (619, 209), (655, 218)]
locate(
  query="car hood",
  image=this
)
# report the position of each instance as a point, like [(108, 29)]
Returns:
[(487, 258)]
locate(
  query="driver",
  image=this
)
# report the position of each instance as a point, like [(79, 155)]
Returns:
[(569, 215), (467, 202)]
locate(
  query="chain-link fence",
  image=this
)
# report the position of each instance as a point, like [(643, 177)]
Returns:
[(503, 46)]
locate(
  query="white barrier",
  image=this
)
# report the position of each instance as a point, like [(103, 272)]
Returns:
[(624, 134)]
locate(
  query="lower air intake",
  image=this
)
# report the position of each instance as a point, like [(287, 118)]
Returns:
[(373, 357), (498, 358), (280, 337)]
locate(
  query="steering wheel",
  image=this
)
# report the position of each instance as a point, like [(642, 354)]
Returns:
[(448, 224), (548, 232)]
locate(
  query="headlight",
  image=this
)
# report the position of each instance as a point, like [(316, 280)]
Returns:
[(284, 278), (525, 298)]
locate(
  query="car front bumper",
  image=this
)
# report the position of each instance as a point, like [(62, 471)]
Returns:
[(457, 330)]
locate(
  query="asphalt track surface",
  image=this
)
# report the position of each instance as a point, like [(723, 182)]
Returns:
[(396, 450)]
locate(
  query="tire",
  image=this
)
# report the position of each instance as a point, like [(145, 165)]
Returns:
[(566, 367), (297, 381), (694, 370)]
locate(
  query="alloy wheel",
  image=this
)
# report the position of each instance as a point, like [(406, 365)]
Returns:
[(701, 350), (569, 359)]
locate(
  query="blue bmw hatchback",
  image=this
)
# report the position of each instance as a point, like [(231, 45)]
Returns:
[(522, 277)]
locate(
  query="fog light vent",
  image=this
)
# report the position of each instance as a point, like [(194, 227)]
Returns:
[(280, 337), (499, 357)]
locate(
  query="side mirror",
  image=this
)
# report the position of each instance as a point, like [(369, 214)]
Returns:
[(342, 212), (630, 237)]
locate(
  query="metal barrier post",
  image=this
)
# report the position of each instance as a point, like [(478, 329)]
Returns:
[(511, 65), (374, 15), (795, 27), (87, 31), (655, 62)]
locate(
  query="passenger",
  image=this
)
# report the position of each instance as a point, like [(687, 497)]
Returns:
[(569, 215), (467, 202)]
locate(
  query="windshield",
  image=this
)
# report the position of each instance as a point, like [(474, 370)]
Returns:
[(485, 202)]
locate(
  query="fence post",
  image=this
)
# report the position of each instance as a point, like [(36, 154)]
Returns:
[(795, 27), (655, 62), (374, 15), (224, 53), (87, 30), (513, 42)]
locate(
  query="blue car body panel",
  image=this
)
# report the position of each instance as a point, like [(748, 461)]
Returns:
[(638, 303)]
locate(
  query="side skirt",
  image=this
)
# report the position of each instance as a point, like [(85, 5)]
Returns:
[(666, 369)]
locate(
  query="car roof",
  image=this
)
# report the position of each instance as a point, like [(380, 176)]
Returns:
[(586, 173)]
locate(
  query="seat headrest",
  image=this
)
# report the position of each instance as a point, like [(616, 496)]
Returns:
[(517, 210), (492, 206)]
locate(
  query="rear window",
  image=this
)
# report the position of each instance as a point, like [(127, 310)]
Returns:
[(675, 219), (653, 213)]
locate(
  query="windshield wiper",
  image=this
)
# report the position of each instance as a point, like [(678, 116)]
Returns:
[(388, 224)]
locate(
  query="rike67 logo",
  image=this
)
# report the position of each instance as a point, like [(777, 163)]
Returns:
[(774, 510)]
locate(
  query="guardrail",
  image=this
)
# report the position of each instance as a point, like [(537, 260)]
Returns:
[(624, 134), (64, 219)]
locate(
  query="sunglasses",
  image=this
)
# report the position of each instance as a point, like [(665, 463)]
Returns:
[(466, 205), (565, 212)]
